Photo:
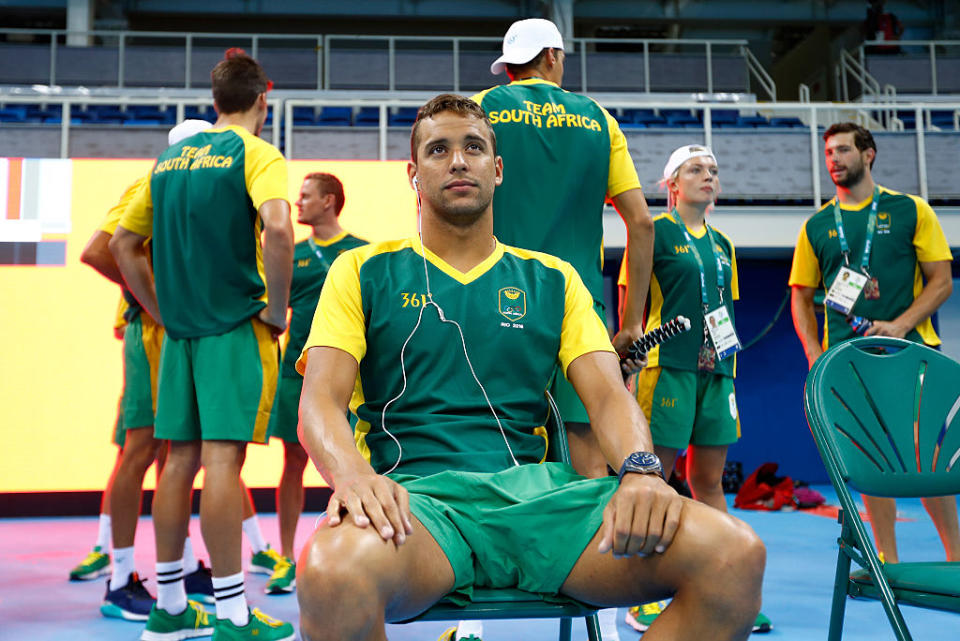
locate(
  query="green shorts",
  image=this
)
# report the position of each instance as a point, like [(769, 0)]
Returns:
[(524, 527), (119, 434), (688, 408), (218, 387), (284, 415), (571, 409), (142, 341)]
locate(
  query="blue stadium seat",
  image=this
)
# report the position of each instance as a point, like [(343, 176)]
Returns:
[(644, 117), (680, 118), (195, 112), (752, 121), (336, 116), (942, 118), (368, 117), (404, 117), (304, 116), (724, 118), (790, 122), (13, 113)]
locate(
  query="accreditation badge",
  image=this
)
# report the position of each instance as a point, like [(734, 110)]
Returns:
[(722, 332), (845, 290)]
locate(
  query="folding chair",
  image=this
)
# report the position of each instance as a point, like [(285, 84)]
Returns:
[(517, 604), (882, 412)]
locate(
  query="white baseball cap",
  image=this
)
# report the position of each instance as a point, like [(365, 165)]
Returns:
[(186, 129), (524, 40), (682, 155)]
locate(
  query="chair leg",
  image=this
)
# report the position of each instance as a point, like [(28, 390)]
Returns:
[(593, 627), (838, 608), (565, 628)]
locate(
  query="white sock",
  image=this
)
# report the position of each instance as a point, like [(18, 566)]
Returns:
[(251, 527), (190, 563), (608, 624), (231, 599), (103, 533), (122, 567), (171, 593), (467, 628)]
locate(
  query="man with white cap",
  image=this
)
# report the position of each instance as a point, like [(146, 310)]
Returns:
[(126, 598), (564, 156)]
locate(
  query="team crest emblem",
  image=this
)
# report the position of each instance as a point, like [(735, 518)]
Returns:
[(512, 303), (883, 221)]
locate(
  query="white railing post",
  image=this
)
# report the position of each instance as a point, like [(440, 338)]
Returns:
[(709, 69), (65, 130), (53, 58), (187, 60), (933, 68), (288, 127), (456, 65), (583, 64), (646, 66), (815, 158), (121, 58), (921, 152), (391, 64), (383, 131)]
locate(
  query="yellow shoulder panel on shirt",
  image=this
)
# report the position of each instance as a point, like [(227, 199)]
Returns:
[(622, 174), (478, 97), (264, 167), (339, 321), (116, 212), (138, 215), (805, 271), (928, 239)]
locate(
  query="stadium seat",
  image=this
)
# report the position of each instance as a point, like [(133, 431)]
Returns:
[(336, 116), (404, 117), (195, 112), (644, 117), (752, 121), (304, 116), (681, 118), (13, 113), (724, 118), (368, 117), (790, 122)]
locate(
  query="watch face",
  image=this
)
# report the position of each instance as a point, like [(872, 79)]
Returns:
[(646, 459)]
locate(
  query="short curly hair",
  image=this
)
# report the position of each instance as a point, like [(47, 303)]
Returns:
[(454, 103)]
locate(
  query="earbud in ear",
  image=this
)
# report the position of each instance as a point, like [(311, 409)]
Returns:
[(416, 183)]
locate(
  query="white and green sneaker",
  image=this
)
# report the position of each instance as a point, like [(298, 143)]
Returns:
[(192, 622), (95, 564), (284, 577), (265, 561), (260, 627), (639, 617)]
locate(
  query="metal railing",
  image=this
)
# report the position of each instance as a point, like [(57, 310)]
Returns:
[(324, 46), (67, 103), (929, 45)]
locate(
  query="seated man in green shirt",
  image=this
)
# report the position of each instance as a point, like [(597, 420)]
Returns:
[(443, 345)]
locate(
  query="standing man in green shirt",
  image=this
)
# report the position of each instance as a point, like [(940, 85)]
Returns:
[(892, 246), (564, 156), (207, 203), (320, 203)]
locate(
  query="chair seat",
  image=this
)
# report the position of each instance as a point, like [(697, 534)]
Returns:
[(941, 578), (505, 603)]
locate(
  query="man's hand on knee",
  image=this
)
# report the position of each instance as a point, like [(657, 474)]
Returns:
[(641, 518), (372, 499)]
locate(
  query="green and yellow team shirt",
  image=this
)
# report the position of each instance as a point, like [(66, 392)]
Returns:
[(129, 307), (907, 234), (522, 313), (675, 290), (563, 156), (309, 271), (200, 207)]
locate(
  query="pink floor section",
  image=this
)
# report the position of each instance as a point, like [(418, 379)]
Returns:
[(38, 603)]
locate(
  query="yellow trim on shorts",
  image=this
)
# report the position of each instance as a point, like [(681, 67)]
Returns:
[(268, 386), (646, 384), (152, 337)]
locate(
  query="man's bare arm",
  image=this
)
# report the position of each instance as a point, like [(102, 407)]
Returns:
[(97, 255), (131, 256), (643, 515), (937, 290), (326, 435), (805, 321), (632, 207), (277, 261)]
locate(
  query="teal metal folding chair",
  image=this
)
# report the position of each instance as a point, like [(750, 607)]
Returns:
[(517, 604), (884, 414)]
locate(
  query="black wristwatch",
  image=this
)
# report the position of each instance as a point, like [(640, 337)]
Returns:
[(641, 463)]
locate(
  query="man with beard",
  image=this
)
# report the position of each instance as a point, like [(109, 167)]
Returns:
[(879, 242), (443, 344)]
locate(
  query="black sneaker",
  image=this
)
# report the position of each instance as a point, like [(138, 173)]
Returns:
[(132, 602), (199, 585)]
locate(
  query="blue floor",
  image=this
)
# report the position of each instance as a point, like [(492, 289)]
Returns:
[(38, 603)]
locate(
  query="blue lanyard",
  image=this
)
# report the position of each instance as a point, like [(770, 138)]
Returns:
[(316, 250), (871, 227), (696, 254)]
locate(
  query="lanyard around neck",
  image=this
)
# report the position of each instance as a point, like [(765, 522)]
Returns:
[(696, 254), (871, 227), (316, 249)]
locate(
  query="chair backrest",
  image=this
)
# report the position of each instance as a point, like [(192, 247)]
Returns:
[(884, 414)]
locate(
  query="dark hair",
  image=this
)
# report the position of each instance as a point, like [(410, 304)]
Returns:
[(515, 70), (237, 80), (459, 105), (328, 184), (862, 138)]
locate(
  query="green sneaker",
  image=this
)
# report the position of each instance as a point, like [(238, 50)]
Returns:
[(762, 624), (95, 564), (284, 577), (639, 617), (264, 561), (260, 627), (192, 622)]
